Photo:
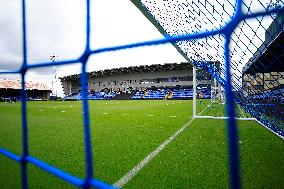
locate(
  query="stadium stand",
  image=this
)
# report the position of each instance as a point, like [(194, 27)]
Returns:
[(10, 90), (91, 96), (138, 82), (155, 94), (263, 76), (161, 93), (122, 95), (138, 95), (172, 93)]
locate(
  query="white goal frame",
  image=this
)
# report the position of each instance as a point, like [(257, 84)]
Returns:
[(194, 115)]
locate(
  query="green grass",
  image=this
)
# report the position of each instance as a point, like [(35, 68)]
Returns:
[(217, 109), (125, 132)]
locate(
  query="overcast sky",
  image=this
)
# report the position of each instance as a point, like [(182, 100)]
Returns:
[(58, 26)]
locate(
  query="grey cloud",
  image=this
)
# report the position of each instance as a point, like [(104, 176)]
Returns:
[(52, 26), (10, 36)]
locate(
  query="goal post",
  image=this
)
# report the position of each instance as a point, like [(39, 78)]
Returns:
[(194, 90), (209, 97)]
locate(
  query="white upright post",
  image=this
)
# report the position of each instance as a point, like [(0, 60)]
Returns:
[(194, 91), (212, 88), (213, 98), (70, 87)]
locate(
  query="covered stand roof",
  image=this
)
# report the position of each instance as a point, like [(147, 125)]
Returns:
[(269, 57), (134, 69), (16, 84)]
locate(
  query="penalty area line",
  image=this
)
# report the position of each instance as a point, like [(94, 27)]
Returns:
[(131, 173)]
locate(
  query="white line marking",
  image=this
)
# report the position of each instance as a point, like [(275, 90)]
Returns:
[(216, 117), (269, 129), (240, 109), (126, 178), (105, 113), (173, 116)]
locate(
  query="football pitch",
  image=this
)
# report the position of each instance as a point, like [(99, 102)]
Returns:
[(124, 133)]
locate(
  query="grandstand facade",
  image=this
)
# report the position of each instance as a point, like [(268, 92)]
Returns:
[(263, 75), (10, 90), (150, 81), (265, 70)]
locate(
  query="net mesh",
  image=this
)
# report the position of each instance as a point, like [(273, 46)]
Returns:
[(255, 48), (210, 95), (244, 36)]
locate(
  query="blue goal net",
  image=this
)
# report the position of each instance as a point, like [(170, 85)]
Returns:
[(245, 37)]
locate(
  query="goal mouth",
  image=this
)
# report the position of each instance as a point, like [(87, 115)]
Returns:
[(248, 53), (209, 98)]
